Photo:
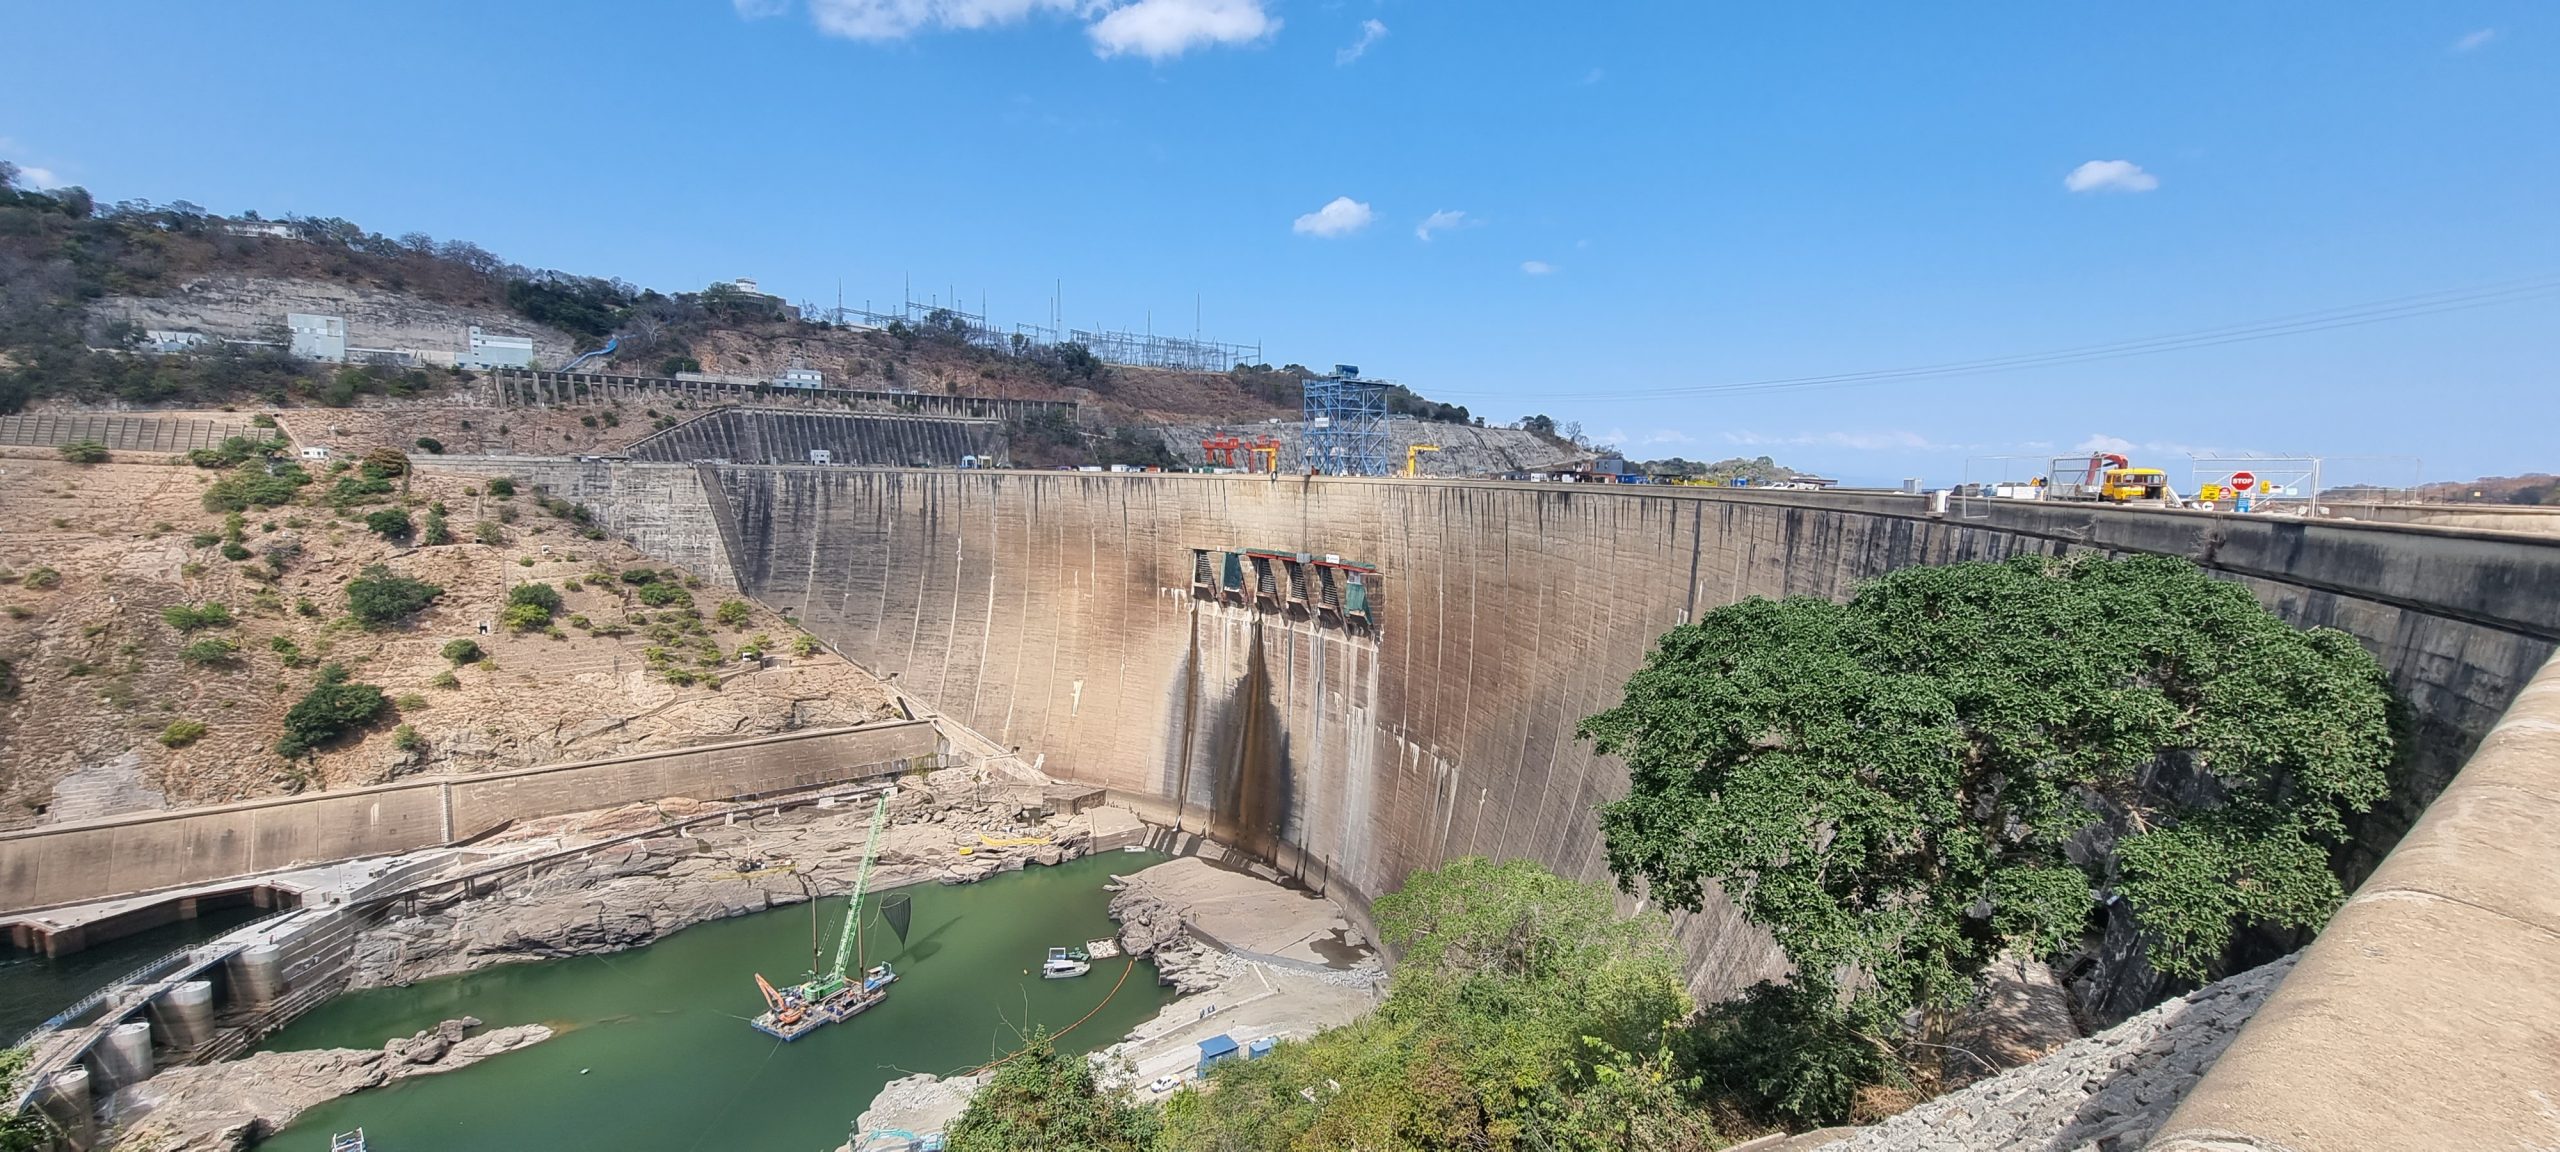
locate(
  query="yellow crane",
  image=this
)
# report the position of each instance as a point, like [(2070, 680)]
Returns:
[(1413, 458)]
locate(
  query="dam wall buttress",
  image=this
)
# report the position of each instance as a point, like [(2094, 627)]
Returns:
[(1068, 615)]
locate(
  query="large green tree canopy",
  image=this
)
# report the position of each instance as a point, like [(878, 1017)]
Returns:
[(1969, 758)]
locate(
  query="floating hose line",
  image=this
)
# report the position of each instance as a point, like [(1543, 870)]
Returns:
[(1131, 966)]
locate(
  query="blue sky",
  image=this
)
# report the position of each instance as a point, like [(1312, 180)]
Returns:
[(1632, 199)]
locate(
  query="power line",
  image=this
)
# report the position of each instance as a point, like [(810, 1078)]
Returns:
[(2346, 316)]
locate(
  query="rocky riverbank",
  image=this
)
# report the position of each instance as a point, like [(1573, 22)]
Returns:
[(638, 891), (231, 1105), (1251, 958)]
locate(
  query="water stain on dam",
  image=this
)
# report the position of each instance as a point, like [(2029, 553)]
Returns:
[(1229, 752)]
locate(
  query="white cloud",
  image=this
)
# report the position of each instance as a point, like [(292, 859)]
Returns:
[(1371, 31), (1342, 217), (2110, 176), (1445, 220), (897, 19), (2101, 442), (760, 9), (2476, 40), (41, 179), (1155, 29), (1537, 268), (1163, 29)]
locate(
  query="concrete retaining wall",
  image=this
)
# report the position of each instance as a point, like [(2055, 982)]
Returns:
[(660, 508), (128, 855), (122, 432), (2431, 990), (1055, 613)]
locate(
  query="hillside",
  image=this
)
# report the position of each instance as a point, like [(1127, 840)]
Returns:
[(81, 285), (100, 694)]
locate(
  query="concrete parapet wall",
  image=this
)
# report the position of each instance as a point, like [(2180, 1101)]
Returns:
[(1055, 612), (2431, 991), (71, 863), (767, 436)]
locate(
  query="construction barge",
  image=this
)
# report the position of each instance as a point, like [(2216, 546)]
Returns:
[(832, 996)]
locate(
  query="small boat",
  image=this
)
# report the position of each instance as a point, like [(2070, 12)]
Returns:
[(1062, 964)]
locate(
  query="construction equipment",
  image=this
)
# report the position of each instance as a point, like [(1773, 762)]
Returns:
[(1221, 450), (832, 996), (2107, 477), (1413, 458), (1265, 453)]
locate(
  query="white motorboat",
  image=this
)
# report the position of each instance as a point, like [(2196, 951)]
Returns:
[(1062, 964)]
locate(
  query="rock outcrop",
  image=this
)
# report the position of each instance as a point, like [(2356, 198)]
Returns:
[(231, 1105), (2105, 1093)]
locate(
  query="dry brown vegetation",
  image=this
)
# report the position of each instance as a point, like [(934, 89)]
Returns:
[(97, 680)]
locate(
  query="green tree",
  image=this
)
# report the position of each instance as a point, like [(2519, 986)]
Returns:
[(1508, 1027), (20, 1131), (1899, 786), (379, 598), (1043, 1099), (462, 651), (433, 530), (731, 613), (332, 707), (390, 524)]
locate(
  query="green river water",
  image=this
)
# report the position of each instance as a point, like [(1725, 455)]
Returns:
[(654, 1053)]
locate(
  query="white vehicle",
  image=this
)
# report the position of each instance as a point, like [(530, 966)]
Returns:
[(1063, 964), (1164, 1084)]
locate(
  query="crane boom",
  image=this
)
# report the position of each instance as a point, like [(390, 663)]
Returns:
[(862, 882)]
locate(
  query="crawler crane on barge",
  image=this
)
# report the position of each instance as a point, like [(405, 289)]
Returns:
[(833, 996)]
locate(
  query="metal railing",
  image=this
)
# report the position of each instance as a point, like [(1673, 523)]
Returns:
[(147, 974)]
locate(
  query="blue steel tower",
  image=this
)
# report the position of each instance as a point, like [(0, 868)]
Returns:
[(1346, 424)]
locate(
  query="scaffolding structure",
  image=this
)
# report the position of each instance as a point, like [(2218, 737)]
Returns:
[(1346, 424), (1148, 350)]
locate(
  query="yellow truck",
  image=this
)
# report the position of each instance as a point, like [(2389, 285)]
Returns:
[(2107, 477)]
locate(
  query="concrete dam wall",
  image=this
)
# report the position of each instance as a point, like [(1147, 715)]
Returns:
[(763, 436), (1085, 620)]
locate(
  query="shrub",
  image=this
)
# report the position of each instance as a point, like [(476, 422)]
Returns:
[(211, 650), (332, 707), (41, 577), (462, 651), (433, 531), (358, 489), (85, 452), (302, 606), (445, 679), (432, 445), (234, 550), (542, 594), (203, 540), (181, 733), (488, 532), (411, 702), (250, 486), (502, 487), (286, 650), (572, 585), (391, 524), (731, 614), (379, 598), (664, 595), (263, 420), (406, 739), (192, 617)]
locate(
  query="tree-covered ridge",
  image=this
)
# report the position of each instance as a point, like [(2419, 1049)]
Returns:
[(1967, 759)]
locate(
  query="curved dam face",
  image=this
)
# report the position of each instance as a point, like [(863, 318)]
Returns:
[(1087, 620)]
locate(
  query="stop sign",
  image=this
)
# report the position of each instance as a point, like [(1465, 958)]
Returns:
[(2242, 481)]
